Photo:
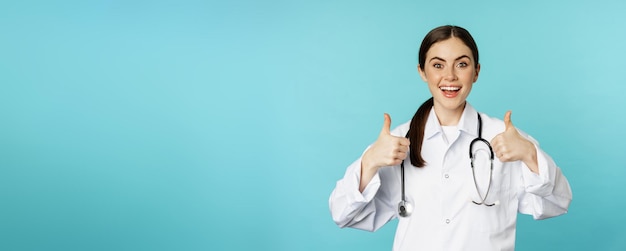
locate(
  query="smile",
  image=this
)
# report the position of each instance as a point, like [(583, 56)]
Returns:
[(450, 91), (450, 88)]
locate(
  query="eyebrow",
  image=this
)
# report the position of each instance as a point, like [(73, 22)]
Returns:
[(438, 58)]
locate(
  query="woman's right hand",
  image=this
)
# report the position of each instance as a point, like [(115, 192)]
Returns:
[(388, 150)]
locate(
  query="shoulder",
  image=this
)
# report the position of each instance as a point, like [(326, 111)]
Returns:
[(492, 126), (493, 123)]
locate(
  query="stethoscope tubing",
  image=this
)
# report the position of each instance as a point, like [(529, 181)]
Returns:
[(404, 206)]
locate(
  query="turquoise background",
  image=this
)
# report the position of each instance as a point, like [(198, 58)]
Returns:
[(224, 125)]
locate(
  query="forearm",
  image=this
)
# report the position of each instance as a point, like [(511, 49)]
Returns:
[(547, 192), (367, 173), (357, 209), (530, 159)]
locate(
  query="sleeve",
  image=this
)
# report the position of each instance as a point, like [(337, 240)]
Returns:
[(369, 210), (546, 194)]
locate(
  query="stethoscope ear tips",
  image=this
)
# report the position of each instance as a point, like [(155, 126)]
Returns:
[(405, 208)]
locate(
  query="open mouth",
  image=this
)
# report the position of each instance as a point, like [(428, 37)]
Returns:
[(450, 91)]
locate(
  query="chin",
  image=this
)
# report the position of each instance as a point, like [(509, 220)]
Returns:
[(451, 104)]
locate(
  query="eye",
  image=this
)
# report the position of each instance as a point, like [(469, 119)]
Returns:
[(438, 66), (462, 64)]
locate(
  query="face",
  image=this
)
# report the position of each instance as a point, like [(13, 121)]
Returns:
[(450, 71)]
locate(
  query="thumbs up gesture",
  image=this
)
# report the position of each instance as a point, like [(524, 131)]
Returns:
[(388, 150), (512, 146)]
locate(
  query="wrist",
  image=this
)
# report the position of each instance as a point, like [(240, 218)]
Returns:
[(368, 171), (530, 159), (367, 165)]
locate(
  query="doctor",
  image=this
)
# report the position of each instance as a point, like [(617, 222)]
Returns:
[(452, 205)]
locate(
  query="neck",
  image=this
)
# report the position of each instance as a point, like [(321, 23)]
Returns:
[(448, 117)]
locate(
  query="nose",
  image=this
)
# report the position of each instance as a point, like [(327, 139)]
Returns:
[(450, 74)]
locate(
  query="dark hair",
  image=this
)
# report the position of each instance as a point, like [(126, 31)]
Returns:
[(443, 33), (418, 123)]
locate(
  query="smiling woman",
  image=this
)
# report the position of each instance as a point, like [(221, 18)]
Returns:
[(442, 181), (223, 125)]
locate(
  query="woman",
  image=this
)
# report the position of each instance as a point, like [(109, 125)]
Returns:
[(450, 202)]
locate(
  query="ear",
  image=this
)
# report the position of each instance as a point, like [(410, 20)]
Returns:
[(477, 71), (422, 73)]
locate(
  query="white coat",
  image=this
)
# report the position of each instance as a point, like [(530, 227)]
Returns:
[(444, 218)]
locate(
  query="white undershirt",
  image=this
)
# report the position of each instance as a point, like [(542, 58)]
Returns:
[(450, 133)]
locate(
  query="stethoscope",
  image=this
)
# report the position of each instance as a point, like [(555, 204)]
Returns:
[(405, 208)]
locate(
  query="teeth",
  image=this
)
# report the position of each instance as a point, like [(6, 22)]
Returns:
[(449, 88)]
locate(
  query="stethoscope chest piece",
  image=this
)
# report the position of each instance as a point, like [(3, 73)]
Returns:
[(405, 208)]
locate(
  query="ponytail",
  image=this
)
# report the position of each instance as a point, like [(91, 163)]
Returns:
[(416, 133)]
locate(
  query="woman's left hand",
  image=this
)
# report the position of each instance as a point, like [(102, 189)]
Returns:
[(512, 146)]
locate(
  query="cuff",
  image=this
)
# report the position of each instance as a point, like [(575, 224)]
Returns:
[(538, 184)]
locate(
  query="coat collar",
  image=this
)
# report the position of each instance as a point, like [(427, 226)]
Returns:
[(468, 122)]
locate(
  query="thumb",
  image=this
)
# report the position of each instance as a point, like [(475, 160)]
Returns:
[(507, 120), (386, 125)]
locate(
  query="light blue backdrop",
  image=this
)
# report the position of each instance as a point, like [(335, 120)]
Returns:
[(195, 125)]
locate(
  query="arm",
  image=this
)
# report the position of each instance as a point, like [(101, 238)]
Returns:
[(388, 150), (368, 210), (546, 190), (358, 200), (546, 194)]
